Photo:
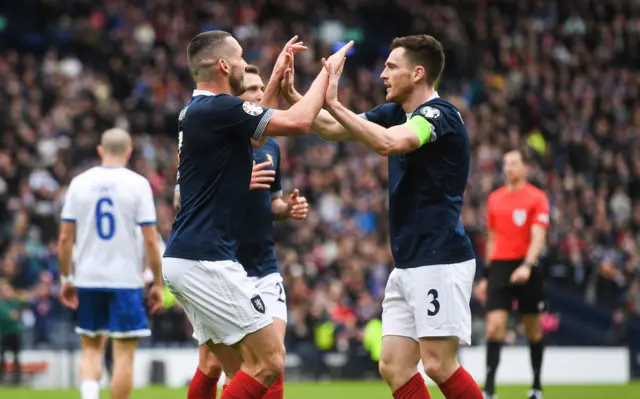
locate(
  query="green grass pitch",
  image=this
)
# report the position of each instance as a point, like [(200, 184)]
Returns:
[(354, 390)]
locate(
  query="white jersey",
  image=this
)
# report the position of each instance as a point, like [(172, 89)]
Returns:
[(107, 205)]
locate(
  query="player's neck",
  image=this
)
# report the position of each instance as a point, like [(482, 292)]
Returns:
[(110, 162), (517, 185), (418, 96), (214, 87)]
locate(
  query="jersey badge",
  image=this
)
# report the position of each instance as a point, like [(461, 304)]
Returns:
[(252, 108), (430, 113), (519, 217), (270, 159), (257, 304)]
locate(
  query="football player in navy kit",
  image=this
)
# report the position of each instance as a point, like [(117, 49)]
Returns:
[(214, 147), (426, 314), (256, 250)]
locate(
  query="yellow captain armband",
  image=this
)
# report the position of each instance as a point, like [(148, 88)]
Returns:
[(421, 127)]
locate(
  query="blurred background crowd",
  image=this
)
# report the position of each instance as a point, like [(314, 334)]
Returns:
[(558, 80)]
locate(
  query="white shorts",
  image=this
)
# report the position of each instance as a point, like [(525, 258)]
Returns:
[(272, 292), (221, 302), (429, 301)]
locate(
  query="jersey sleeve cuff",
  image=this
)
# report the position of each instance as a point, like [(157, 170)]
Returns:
[(257, 135), (68, 220), (147, 223), (176, 189), (363, 116), (276, 194)]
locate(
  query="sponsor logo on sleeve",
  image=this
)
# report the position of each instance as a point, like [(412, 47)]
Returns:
[(430, 112), (543, 218), (252, 108)]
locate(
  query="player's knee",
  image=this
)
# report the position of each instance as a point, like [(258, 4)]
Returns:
[(495, 330), (395, 374), (533, 331), (440, 369), (211, 368), (271, 367)]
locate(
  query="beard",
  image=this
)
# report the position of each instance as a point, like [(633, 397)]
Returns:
[(236, 81)]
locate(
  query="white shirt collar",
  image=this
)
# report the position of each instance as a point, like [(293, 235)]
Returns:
[(434, 96), (202, 93)]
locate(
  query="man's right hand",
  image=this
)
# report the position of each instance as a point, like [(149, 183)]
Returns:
[(69, 296), (261, 179), (287, 87), (337, 59), (480, 291)]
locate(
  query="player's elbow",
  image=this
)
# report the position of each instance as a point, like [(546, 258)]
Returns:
[(65, 240), (384, 148)]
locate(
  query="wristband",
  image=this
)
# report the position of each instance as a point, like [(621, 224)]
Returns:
[(66, 280)]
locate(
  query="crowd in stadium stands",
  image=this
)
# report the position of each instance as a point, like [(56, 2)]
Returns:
[(556, 79)]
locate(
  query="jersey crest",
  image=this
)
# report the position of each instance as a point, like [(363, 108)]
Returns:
[(270, 159), (430, 112), (251, 108), (519, 217)]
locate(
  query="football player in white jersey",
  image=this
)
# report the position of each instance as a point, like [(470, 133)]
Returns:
[(102, 211)]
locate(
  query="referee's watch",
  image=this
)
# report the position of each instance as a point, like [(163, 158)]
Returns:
[(530, 265)]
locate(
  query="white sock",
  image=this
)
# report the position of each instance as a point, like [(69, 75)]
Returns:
[(90, 389)]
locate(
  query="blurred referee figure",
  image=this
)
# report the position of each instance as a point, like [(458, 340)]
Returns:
[(517, 221)]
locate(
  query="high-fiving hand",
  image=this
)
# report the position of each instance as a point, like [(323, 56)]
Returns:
[(334, 66), (286, 56)]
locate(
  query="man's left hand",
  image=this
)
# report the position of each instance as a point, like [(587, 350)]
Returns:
[(298, 206)]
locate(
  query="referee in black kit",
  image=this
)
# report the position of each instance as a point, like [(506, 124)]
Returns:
[(517, 221)]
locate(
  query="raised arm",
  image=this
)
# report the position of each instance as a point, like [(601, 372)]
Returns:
[(271, 96), (394, 140), (324, 125)]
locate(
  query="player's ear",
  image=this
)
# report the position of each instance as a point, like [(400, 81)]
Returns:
[(224, 66), (419, 73), (100, 151)]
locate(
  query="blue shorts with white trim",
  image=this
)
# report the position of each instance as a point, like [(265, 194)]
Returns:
[(114, 312)]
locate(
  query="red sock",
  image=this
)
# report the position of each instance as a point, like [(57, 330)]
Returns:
[(276, 390), (415, 388), (243, 386), (461, 386), (202, 387)]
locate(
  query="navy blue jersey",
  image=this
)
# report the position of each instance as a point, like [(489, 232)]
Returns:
[(426, 188), (256, 251), (214, 171)]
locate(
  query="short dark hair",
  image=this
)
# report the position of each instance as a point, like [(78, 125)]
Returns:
[(252, 69), (202, 49), (423, 50), (517, 151)]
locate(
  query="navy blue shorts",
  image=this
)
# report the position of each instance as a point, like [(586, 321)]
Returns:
[(114, 312)]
